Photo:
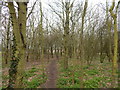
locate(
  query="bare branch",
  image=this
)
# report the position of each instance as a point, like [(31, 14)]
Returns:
[(55, 11), (32, 9)]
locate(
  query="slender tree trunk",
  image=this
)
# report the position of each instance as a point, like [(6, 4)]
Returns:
[(51, 50), (119, 59), (82, 45), (7, 43), (27, 54), (66, 35), (48, 53), (61, 50), (119, 44), (109, 23), (101, 46), (114, 62)]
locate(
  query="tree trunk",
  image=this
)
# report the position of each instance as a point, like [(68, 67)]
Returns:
[(51, 49), (18, 55), (7, 43), (119, 44), (66, 35), (114, 62), (81, 45), (109, 23)]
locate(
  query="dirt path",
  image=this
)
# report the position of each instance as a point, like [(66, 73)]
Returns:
[(52, 75)]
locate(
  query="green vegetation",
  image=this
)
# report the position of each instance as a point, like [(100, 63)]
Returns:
[(95, 76), (33, 78), (69, 44), (35, 82), (36, 79)]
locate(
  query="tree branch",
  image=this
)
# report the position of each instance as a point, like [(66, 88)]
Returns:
[(32, 9)]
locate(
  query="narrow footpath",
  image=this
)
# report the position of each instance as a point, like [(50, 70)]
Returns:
[(51, 74)]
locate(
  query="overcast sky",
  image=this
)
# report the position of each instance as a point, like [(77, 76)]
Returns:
[(46, 2), (91, 2)]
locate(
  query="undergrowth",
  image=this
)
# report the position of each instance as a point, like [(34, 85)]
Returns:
[(94, 76)]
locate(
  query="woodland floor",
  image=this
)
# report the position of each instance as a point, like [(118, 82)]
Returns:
[(33, 70), (96, 75)]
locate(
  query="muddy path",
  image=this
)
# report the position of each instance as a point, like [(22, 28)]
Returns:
[(51, 74)]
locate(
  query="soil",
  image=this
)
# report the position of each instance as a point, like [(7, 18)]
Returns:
[(51, 74)]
